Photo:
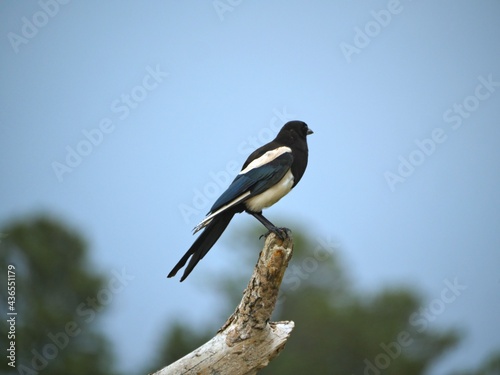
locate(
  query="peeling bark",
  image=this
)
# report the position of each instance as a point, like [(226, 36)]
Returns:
[(247, 341)]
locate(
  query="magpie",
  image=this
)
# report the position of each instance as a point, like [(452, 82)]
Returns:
[(268, 174)]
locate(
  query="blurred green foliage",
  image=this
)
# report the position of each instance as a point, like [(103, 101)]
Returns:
[(56, 294), (338, 329)]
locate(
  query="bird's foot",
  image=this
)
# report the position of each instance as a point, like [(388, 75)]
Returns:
[(282, 233)]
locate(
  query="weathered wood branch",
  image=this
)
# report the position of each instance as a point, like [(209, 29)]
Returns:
[(247, 341)]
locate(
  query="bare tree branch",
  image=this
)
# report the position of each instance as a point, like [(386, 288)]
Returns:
[(247, 341)]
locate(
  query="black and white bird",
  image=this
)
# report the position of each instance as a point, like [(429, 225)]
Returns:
[(268, 174)]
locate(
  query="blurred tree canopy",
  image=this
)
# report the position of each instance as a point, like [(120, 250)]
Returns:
[(58, 301), (338, 330)]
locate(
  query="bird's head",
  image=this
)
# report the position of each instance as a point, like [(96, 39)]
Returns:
[(295, 129)]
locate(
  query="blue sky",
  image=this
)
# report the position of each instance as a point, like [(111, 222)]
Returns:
[(127, 119)]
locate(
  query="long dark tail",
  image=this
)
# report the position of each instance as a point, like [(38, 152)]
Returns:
[(203, 243)]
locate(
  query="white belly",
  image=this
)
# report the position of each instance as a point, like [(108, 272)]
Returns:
[(271, 195)]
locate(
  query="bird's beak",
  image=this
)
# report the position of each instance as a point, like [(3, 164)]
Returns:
[(309, 132)]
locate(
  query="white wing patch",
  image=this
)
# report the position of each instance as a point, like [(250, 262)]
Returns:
[(264, 199), (266, 158)]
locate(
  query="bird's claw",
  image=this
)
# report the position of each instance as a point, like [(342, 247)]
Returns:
[(282, 233)]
